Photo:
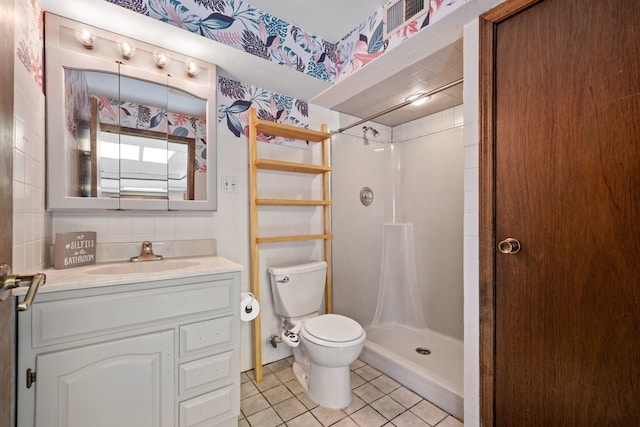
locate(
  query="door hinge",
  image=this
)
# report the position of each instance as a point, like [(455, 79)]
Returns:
[(31, 377)]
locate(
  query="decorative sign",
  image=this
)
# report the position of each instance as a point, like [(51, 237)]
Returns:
[(75, 249)]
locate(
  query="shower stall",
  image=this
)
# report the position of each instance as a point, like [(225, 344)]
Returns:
[(398, 261)]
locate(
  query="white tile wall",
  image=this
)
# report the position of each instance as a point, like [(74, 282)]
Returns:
[(31, 223), (443, 120), (471, 218)]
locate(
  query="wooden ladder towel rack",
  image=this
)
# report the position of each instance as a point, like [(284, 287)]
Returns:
[(257, 126)]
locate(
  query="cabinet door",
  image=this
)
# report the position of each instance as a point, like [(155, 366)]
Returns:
[(124, 383)]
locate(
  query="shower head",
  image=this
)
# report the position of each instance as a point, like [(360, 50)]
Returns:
[(365, 129)]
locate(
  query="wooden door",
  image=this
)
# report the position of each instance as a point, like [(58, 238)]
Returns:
[(560, 320)]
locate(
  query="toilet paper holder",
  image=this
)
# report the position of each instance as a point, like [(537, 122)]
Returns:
[(249, 306)]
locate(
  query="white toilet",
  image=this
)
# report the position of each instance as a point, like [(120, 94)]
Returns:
[(329, 342)]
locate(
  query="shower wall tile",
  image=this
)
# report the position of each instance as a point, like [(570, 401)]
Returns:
[(458, 115), (433, 123)]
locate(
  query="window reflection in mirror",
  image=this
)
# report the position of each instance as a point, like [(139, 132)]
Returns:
[(134, 138)]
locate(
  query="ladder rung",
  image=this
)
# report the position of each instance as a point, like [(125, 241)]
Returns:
[(289, 202), (277, 165), (288, 131), (277, 239)]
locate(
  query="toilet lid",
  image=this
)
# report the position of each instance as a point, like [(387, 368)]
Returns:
[(333, 327)]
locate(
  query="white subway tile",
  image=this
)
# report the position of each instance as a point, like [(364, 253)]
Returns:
[(19, 202), (18, 258), (18, 228), (471, 363), (448, 118), (471, 155), (471, 404), (470, 420), (472, 336), (471, 276), (471, 133), (19, 134), (471, 202), (471, 179), (471, 224), (19, 164), (471, 248)]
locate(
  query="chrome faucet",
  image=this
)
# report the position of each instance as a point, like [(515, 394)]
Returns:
[(146, 254)]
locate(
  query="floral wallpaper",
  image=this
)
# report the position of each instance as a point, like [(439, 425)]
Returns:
[(77, 102), (30, 37), (240, 25), (235, 98), (366, 42)]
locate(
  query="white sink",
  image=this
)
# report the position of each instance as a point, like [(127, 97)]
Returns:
[(142, 267)]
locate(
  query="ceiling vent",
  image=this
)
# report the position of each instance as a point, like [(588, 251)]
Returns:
[(399, 12)]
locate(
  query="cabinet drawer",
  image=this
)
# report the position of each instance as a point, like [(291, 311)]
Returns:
[(209, 408), (205, 372), (68, 320), (204, 336)]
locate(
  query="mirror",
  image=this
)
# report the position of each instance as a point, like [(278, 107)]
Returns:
[(123, 137)]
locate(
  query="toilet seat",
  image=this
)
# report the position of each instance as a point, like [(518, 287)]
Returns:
[(332, 330)]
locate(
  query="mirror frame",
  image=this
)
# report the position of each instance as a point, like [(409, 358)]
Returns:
[(63, 51)]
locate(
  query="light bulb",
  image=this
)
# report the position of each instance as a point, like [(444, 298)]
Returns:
[(86, 36), (417, 98), (192, 67), (126, 47), (161, 58)]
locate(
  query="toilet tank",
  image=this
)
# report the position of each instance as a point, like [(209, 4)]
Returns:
[(298, 289)]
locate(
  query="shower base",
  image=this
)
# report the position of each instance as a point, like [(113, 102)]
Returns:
[(436, 376)]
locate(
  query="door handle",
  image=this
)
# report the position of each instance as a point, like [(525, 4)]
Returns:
[(509, 246), (9, 281)]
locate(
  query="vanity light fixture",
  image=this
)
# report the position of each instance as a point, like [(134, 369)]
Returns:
[(192, 67), (417, 98), (86, 36), (126, 47), (161, 58)]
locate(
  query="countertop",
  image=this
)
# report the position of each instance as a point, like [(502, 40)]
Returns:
[(120, 273)]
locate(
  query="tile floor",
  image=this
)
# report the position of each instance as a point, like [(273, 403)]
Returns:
[(377, 401)]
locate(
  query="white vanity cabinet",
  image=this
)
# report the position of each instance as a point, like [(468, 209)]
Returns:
[(148, 354)]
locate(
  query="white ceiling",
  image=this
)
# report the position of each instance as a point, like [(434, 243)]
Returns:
[(424, 62)]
